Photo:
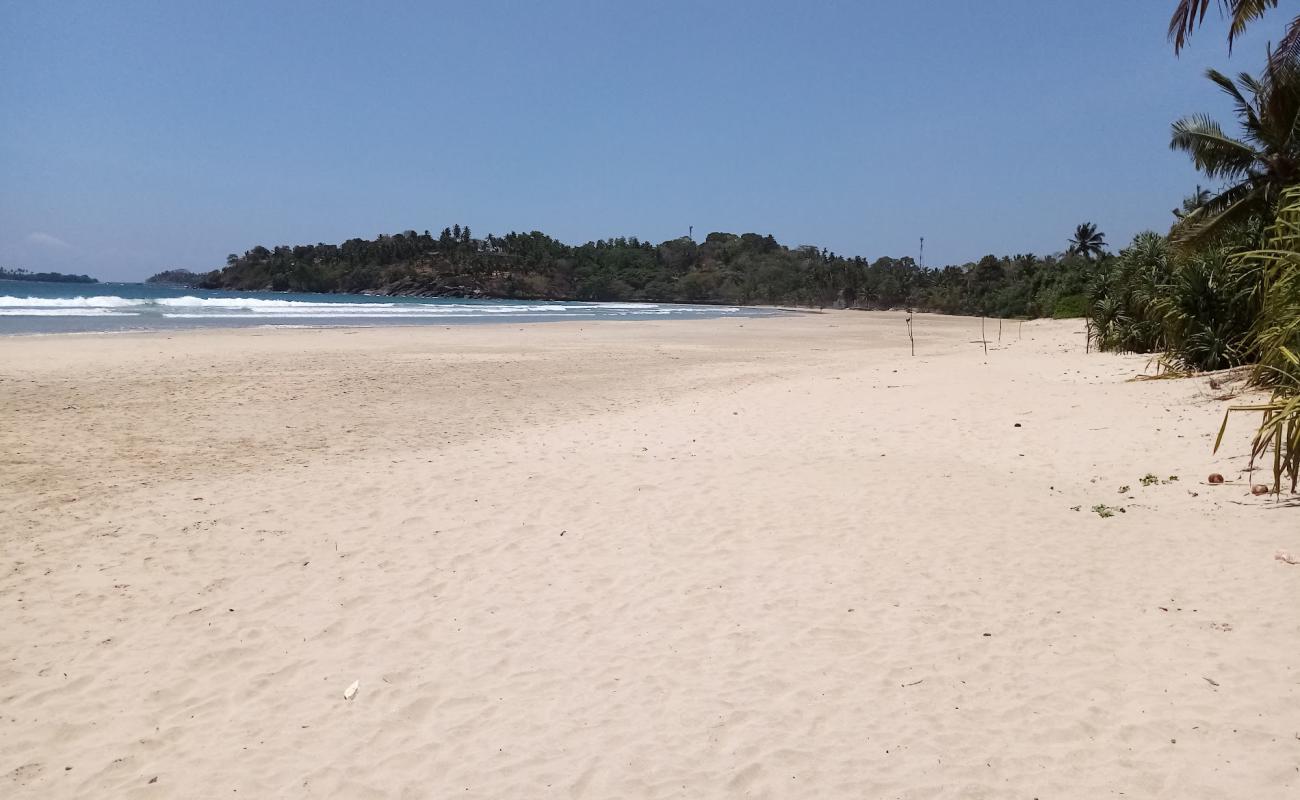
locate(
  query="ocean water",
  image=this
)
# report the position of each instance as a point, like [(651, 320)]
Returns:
[(34, 307)]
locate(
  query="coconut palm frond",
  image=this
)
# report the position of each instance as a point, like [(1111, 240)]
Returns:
[(1242, 106), (1190, 14), (1245, 12), (1258, 164), (1217, 215), (1213, 151), (1087, 241), (1288, 48)]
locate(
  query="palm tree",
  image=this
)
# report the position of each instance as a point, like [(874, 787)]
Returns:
[(1189, 14), (1257, 166), (1193, 201), (1087, 241)]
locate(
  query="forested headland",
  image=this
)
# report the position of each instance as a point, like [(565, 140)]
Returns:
[(743, 269), (45, 277), (177, 277)]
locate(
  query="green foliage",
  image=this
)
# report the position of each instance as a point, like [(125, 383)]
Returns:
[(1207, 311), (176, 277), (1198, 308), (1071, 306), (46, 277), (724, 268), (1122, 296), (1255, 166), (1275, 270), (1087, 242)]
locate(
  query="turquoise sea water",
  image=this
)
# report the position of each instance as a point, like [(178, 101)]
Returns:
[(34, 307)]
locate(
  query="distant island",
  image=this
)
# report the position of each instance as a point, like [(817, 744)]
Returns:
[(45, 277), (725, 268), (177, 277)]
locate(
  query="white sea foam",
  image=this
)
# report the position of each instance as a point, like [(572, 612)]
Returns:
[(260, 306), (255, 303), (106, 301), (349, 310), (411, 311), (346, 311), (65, 312), (344, 314), (485, 309)]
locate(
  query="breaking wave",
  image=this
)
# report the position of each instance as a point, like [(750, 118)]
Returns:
[(269, 309)]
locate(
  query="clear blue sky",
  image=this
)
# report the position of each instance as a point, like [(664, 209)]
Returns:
[(139, 136)]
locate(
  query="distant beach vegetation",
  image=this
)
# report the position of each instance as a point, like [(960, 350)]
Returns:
[(47, 277), (735, 269), (176, 277)]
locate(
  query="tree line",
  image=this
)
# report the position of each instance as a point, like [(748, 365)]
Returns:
[(725, 268), (46, 277)]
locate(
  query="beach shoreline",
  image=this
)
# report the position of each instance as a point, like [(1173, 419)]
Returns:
[(762, 556), (56, 308)]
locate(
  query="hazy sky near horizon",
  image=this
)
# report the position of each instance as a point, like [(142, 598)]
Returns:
[(141, 136)]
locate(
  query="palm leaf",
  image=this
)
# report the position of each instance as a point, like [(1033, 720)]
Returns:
[(1190, 14), (1288, 48), (1187, 16), (1244, 108), (1245, 12), (1230, 207), (1214, 152)]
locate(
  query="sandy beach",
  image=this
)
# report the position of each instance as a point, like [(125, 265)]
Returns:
[(770, 557)]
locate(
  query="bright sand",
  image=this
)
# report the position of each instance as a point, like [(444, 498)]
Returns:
[(727, 558)]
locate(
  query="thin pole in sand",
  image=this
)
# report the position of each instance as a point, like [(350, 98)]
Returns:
[(920, 262), (999, 330), (984, 339)]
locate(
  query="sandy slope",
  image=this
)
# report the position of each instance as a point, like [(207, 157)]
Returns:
[(768, 558)]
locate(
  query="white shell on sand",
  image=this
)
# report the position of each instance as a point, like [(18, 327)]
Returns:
[(351, 691)]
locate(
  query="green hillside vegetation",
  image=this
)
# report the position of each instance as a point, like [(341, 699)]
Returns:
[(176, 277), (45, 277), (724, 268)]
